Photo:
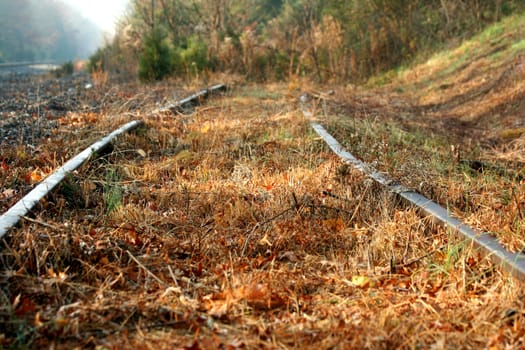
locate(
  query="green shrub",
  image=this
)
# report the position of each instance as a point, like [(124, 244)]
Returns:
[(96, 62), (192, 58), (155, 61), (64, 70), (112, 190)]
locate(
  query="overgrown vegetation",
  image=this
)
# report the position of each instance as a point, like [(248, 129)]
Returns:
[(64, 70), (154, 63), (241, 229), (235, 226), (450, 130), (277, 39)]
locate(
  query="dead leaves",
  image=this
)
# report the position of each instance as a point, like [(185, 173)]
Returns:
[(79, 119), (362, 281), (35, 176), (23, 305), (7, 194), (335, 225), (257, 295)]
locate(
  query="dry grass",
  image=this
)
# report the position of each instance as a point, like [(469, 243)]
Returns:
[(240, 229), (25, 164), (235, 226), (451, 128)]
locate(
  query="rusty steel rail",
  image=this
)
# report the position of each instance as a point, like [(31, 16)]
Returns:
[(12, 216), (514, 263)]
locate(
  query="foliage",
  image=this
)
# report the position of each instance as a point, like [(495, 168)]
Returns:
[(112, 191), (192, 57), (155, 61), (97, 60), (330, 40), (65, 69)]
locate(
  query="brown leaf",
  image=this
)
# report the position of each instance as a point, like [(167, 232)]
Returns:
[(26, 306)]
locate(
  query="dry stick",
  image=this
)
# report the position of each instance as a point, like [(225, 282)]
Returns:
[(415, 260), (296, 206), (162, 283), (360, 202), (327, 207), (208, 108), (41, 223), (259, 224), (330, 194)]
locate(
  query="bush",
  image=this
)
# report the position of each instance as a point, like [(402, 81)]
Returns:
[(155, 62), (96, 61), (192, 58), (65, 69)]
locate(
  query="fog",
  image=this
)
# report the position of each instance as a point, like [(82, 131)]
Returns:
[(50, 30), (104, 13)]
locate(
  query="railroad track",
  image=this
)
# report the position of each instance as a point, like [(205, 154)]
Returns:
[(26, 204), (485, 242), (200, 219), (28, 67), (514, 263)]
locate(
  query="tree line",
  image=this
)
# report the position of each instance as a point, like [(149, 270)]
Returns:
[(329, 40)]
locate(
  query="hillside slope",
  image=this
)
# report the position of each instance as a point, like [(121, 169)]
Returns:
[(480, 84), (451, 127)]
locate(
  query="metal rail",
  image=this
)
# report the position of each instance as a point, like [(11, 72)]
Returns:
[(23, 64), (514, 263), (179, 105), (27, 67), (23, 206)]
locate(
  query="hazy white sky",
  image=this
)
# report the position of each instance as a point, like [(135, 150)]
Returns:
[(102, 12)]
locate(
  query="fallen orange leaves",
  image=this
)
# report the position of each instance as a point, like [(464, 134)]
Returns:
[(34, 176), (23, 305), (256, 295), (335, 225)]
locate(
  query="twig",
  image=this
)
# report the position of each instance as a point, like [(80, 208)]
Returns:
[(41, 223), (327, 207), (146, 269), (330, 194), (296, 202), (360, 202), (208, 108), (259, 224), (414, 260)]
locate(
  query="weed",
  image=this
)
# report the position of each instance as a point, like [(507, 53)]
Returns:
[(64, 70), (99, 76), (113, 193)]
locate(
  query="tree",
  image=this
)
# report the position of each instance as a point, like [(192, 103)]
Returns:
[(155, 62)]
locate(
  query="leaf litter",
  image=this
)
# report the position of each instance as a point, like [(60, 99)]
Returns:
[(240, 229)]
